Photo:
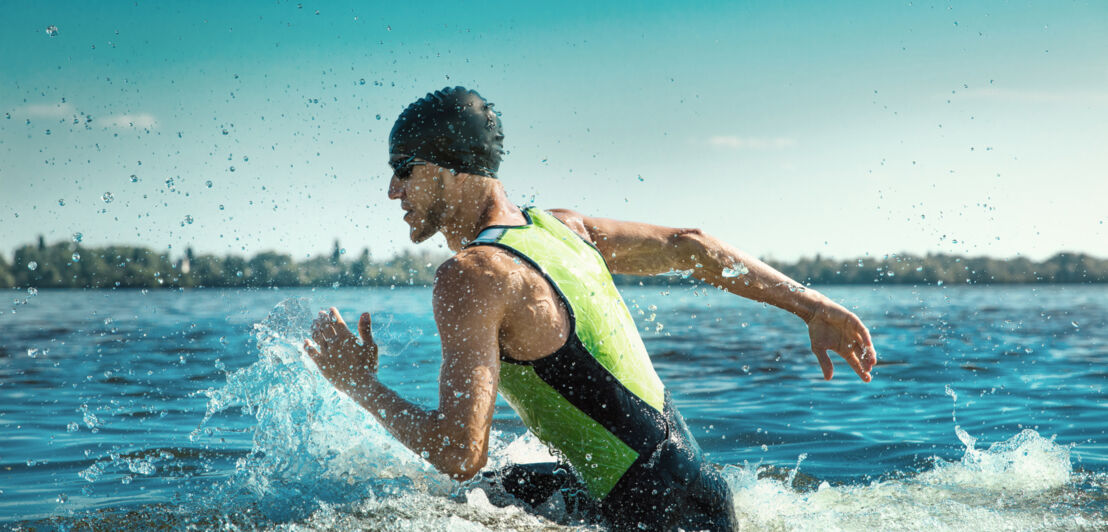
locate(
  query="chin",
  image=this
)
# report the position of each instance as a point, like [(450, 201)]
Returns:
[(418, 235)]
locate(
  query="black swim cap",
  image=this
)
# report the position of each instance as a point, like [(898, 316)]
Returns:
[(454, 128)]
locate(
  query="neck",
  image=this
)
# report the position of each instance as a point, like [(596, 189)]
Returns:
[(482, 203)]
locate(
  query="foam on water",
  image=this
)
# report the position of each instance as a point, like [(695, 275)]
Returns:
[(319, 461), (310, 443), (1024, 483)]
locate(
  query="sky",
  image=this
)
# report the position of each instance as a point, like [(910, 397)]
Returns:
[(788, 130)]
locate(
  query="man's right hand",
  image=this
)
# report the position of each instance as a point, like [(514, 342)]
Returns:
[(344, 361)]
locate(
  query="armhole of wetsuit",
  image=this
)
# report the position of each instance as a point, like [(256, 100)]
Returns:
[(583, 239), (550, 282)]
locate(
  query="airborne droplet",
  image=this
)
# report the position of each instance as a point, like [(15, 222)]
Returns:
[(107, 197), (52, 30)]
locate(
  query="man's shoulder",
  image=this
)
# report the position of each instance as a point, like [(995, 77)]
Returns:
[(476, 267), (574, 220)]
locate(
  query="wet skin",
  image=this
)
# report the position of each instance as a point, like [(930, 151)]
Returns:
[(486, 304)]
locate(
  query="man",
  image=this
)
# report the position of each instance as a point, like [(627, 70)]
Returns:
[(527, 306)]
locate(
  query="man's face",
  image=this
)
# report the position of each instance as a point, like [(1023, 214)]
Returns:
[(418, 185)]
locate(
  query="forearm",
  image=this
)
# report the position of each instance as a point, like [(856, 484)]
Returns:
[(721, 265), (426, 432)]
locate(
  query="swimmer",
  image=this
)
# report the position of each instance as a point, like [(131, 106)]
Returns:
[(526, 306)]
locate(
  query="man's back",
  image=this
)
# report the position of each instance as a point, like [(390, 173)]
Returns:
[(596, 399)]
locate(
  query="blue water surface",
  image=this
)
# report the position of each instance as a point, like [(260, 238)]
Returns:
[(195, 407)]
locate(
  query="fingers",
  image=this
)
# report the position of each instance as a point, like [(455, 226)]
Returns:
[(861, 351), (323, 331), (824, 363), (850, 352), (365, 329), (870, 356), (865, 352), (336, 317)]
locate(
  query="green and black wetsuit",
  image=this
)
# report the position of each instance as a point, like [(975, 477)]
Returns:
[(597, 399)]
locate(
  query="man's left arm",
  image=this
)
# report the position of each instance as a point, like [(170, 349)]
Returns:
[(644, 249), (453, 437)]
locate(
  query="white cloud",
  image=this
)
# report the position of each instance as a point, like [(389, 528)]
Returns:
[(66, 109), (127, 121), (750, 143), (44, 110)]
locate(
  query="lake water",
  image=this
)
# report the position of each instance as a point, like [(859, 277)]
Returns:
[(132, 409)]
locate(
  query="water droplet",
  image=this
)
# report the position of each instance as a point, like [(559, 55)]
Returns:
[(225, 132), (388, 28), (32, 291), (188, 219), (169, 183), (134, 178), (107, 197), (208, 183), (72, 427), (77, 237), (89, 418), (378, 117), (641, 179), (1074, 323), (52, 30), (221, 206), (142, 467), (61, 203), (76, 257), (92, 473), (361, 81), (737, 270), (32, 265), (34, 352)]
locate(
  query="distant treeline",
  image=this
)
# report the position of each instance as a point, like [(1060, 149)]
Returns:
[(70, 265), (933, 269)]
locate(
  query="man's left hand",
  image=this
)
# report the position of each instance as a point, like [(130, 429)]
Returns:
[(835, 328)]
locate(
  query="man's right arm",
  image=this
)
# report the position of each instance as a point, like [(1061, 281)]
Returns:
[(454, 437), (643, 249)]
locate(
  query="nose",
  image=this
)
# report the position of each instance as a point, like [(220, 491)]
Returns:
[(396, 188)]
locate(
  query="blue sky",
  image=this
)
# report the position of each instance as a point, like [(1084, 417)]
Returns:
[(788, 130)]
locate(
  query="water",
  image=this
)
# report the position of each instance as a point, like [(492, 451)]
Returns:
[(133, 409)]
